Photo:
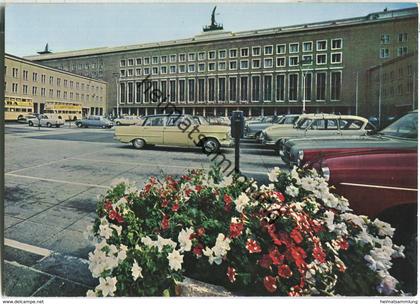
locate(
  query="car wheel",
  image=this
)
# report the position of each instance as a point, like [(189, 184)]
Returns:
[(138, 143), (79, 124), (57, 126), (49, 125), (118, 123), (210, 145), (31, 124)]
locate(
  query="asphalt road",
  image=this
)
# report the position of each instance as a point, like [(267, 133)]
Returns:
[(53, 180)]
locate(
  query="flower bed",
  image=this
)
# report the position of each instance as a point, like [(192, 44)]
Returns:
[(292, 237)]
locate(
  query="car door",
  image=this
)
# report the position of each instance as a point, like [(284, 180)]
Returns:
[(177, 129), (152, 130), (352, 127), (323, 127)]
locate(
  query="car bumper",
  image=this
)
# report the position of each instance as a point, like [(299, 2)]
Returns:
[(227, 143)]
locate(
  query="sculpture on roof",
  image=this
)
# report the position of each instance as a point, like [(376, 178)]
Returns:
[(213, 26), (45, 51)]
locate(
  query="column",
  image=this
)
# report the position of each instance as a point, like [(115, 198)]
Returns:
[(214, 112), (193, 111), (155, 111), (204, 112), (275, 111), (226, 112), (288, 110), (145, 111), (249, 112), (262, 111), (129, 111), (183, 110), (138, 111)]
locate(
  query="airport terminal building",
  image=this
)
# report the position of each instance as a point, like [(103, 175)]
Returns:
[(324, 66)]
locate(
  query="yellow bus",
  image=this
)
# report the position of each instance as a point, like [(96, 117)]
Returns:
[(16, 108), (63, 110)]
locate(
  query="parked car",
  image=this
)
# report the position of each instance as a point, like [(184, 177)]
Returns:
[(316, 125), (400, 135), (94, 121), (45, 121), (25, 119), (253, 129), (175, 130), (127, 120)]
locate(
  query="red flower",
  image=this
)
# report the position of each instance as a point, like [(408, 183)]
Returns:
[(236, 229), (265, 261), (276, 257), (270, 284), (227, 199), (296, 236), (319, 254), (252, 246), (344, 244), (198, 250), (295, 291), (279, 195), (298, 255), (188, 192), (198, 188), (175, 207), (284, 271), (231, 274), (165, 222), (114, 215), (165, 203), (201, 231), (186, 177), (108, 205)]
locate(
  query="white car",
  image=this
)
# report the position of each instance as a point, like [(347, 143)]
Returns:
[(45, 121), (128, 120)]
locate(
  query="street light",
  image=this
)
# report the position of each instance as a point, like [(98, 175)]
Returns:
[(301, 63), (116, 76)]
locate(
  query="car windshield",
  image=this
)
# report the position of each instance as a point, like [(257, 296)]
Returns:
[(304, 123), (405, 127), (290, 120)]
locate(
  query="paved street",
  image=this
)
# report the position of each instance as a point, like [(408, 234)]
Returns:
[(53, 178)]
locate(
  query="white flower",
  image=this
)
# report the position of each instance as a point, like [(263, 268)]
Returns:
[(91, 293), (384, 229), (272, 175), (122, 253), (136, 271), (292, 191), (121, 203), (117, 228), (294, 175), (222, 245), (387, 286), (184, 239), (147, 241), (208, 252), (226, 182), (329, 220), (355, 219), (399, 251), (364, 237), (241, 202), (105, 231), (107, 286), (175, 260), (161, 242)]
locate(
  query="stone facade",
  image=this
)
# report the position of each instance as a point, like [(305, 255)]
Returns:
[(42, 84), (260, 72)]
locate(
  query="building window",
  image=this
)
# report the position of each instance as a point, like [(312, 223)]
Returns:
[(123, 93), (211, 89), (256, 51), (268, 50), (402, 37), (336, 44), (222, 54), (15, 72), (280, 62), (172, 58), (42, 91), (336, 58), (146, 60), (255, 88), (146, 71), (51, 81), (130, 72), (267, 87), (222, 66), (34, 76), (191, 68), (138, 61), (155, 71), (307, 59), (25, 75), (122, 63), (335, 85), (222, 89), (293, 87), (58, 93), (130, 92), (307, 46), (163, 59), (51, 94), (244, 52), (191, 56), (280, 49), (138, 92), (268, 63), (163, 69), (181, 84), (256, 63), (58, 81), (212, 55), (321, 83), (172, 85), (384, 53), (202, 56), (130, 62), (182, 57), (25, 89), (293, 48), (280, 87), (293, 60), (201, 67), (212, 66), (321, 59), (163, 90), (321, 45), (138, 72), (201, 90), (155, 60), (402, 51), (244, 88), (172, 69), (385, 39), (308, 86), (233, 53), (181, 68), (232, 88), (244, 64), (191, 90), (233, 65)]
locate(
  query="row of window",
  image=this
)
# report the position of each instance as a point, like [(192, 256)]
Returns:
[(293, 61), (391, 75), (386, 52), (401, 37), (58, 81), (280, 87), (43, 92), (397, 90), (268, 50)]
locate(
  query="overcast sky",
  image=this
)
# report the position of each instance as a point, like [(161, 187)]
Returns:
[(79, 26)]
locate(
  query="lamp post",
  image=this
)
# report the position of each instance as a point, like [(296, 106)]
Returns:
[(116, 76), (301, 63)]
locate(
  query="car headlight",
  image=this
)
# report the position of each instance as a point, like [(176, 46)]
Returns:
[(301, 154), (326, 173)]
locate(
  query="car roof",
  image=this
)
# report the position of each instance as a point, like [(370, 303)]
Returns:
[(332, 116)]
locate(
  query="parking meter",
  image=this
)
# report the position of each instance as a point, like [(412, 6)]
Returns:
[(237, 123)]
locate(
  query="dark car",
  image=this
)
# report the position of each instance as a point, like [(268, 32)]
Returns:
[(94, 121), (400, 135)]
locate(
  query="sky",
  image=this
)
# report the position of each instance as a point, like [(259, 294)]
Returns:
[(80, 26)]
